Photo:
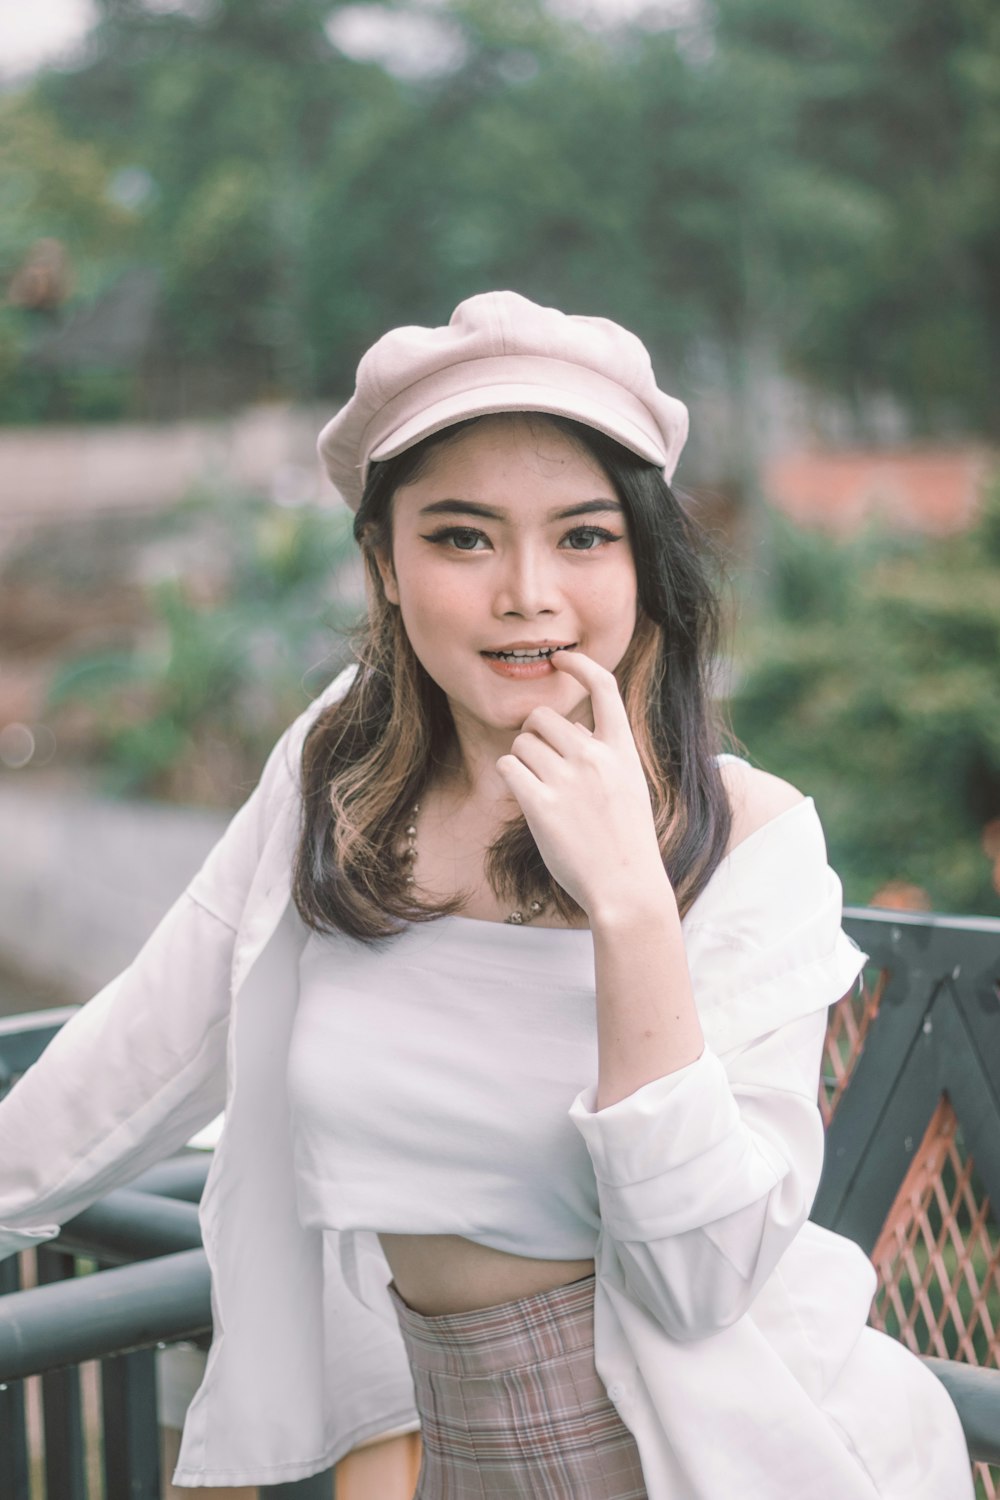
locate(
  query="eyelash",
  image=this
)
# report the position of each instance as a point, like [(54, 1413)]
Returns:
[(448, 534)]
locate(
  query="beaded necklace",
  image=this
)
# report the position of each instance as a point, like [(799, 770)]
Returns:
[(516, 918)]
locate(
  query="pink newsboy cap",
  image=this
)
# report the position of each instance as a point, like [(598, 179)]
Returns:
[(500, 352)]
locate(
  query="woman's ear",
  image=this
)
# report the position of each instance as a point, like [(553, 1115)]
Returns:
[(388, 575)]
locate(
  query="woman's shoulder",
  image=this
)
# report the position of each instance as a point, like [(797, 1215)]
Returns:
[(764, 939), (756, 797)]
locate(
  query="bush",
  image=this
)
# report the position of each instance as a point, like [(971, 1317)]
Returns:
[(870, 682)]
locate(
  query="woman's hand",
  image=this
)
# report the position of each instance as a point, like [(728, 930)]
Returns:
[(584, 796)]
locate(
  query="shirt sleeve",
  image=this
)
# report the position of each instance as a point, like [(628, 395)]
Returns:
[(124, 1083), (706, 1175), (141, 1067)]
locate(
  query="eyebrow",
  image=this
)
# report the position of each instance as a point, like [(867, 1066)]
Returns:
[(487, 513)]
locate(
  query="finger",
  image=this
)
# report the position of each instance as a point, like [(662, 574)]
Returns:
[(610, 719), (553, 728), (523, 783), (541, 758)]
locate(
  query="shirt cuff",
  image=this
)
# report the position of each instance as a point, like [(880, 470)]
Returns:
[(618, 1136), (675, 1155)]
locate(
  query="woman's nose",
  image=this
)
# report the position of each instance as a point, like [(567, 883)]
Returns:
[(526, 584)]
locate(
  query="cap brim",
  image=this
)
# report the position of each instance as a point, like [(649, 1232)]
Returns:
[(554, 401)]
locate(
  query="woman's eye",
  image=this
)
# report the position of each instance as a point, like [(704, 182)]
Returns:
[(461, 538), (467, 538), (589, 538)]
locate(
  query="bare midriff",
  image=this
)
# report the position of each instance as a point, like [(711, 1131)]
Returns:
[(446, 1273)]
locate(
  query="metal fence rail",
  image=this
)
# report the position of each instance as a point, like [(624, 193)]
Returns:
[(153, 1289)]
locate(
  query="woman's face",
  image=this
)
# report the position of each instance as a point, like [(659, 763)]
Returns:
[(512, 537)]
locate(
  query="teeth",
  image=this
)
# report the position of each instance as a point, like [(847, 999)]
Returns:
[(526, 655)]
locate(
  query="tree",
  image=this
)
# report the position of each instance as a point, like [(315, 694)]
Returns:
[(882, 217), (62, 237), (805, 185), (228, 109), (872, 685)]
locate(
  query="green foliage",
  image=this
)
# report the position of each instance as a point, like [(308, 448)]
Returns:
[(189, 711), (872, 683), (54, 186), (823, 173), (53, 183), (894, 105)]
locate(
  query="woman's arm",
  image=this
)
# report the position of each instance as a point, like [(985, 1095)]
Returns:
[(707, 1172), (706, 1160), (129, 1078), (647, 1020), (706, 1175), (142, 1066), (708, 1168), (647, 1017)]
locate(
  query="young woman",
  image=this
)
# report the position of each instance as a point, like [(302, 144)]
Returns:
[(514, 988)]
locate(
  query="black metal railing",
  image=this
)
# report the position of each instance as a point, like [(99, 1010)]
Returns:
[(153, 1290), (149, 1288)]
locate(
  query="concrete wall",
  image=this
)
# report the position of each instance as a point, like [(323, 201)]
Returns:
[(46, 472), (83, 881)]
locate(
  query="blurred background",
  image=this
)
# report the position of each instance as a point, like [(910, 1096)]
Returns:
[(210, 208)]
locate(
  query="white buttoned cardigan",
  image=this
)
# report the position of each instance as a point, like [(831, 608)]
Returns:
[(729, 1331)]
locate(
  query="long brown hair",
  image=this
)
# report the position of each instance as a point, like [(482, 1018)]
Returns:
[(368, 757)]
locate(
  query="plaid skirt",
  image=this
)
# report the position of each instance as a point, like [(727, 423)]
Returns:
[(511, 1405)]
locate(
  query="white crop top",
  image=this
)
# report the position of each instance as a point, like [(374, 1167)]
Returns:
[(430, 1078)]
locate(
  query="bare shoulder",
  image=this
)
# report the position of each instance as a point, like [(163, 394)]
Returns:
[(756, 797)]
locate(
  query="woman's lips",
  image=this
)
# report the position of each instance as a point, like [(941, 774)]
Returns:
[(538, 666), (525, 669)]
